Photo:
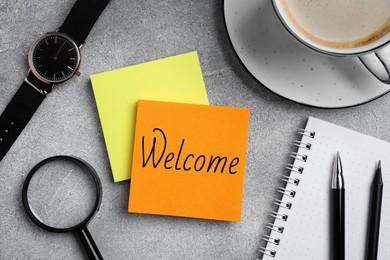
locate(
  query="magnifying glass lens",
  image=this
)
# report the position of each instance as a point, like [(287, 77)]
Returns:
[(62, 194)]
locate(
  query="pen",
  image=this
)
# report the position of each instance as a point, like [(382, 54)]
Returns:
[(375, 214), (338, 217)]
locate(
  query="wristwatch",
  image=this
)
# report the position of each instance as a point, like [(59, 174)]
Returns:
[(53, 58)]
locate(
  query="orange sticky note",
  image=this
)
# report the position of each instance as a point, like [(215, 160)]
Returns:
[(189, 160)]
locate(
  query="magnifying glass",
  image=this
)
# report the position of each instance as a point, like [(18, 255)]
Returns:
[(62, 194)]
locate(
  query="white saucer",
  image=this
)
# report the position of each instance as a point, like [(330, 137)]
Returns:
[(291, 70)]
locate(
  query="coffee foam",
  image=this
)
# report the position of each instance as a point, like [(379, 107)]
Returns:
[(340, 23)]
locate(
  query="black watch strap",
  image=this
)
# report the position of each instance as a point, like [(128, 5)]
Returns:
[(30, 95), (19, 111), (81, 19)]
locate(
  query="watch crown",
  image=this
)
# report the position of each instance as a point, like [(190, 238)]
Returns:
[(77, 73)]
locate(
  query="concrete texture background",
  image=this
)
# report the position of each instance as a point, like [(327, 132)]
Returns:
[(132, 32)]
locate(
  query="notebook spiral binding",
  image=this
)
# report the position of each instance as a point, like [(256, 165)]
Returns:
[(287, 192)]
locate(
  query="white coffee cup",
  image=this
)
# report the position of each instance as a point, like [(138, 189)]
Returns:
[(375, 55)]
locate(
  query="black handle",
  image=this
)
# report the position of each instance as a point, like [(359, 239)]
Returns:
[(338, 224), (88, 243), (374, 224)]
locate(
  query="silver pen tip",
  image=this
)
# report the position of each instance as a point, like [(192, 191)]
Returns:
[(337, 174), (338, 168)]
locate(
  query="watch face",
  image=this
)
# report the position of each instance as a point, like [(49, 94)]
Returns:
[(54, 57)]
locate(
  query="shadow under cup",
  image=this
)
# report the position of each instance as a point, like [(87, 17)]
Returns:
[(374, 52)]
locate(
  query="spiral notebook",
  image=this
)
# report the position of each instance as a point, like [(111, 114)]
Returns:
[(301, 226)]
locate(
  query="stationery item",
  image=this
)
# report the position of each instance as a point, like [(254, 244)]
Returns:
[(338, 211), (65, 200), (176, 79), (53, 58), (375, 214), (285, 67), (302, 227), (189, 160)]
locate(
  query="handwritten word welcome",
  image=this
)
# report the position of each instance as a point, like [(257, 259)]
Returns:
[(188, 162)]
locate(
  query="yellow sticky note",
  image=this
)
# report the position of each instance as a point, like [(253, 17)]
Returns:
[(176, 79), (189, 160)]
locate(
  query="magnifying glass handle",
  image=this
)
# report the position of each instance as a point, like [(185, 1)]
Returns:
[(88, 243)]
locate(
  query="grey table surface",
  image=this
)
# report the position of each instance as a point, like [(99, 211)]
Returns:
[(67, 122)]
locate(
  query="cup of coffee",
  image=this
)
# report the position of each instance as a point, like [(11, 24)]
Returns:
[(359, 28)]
